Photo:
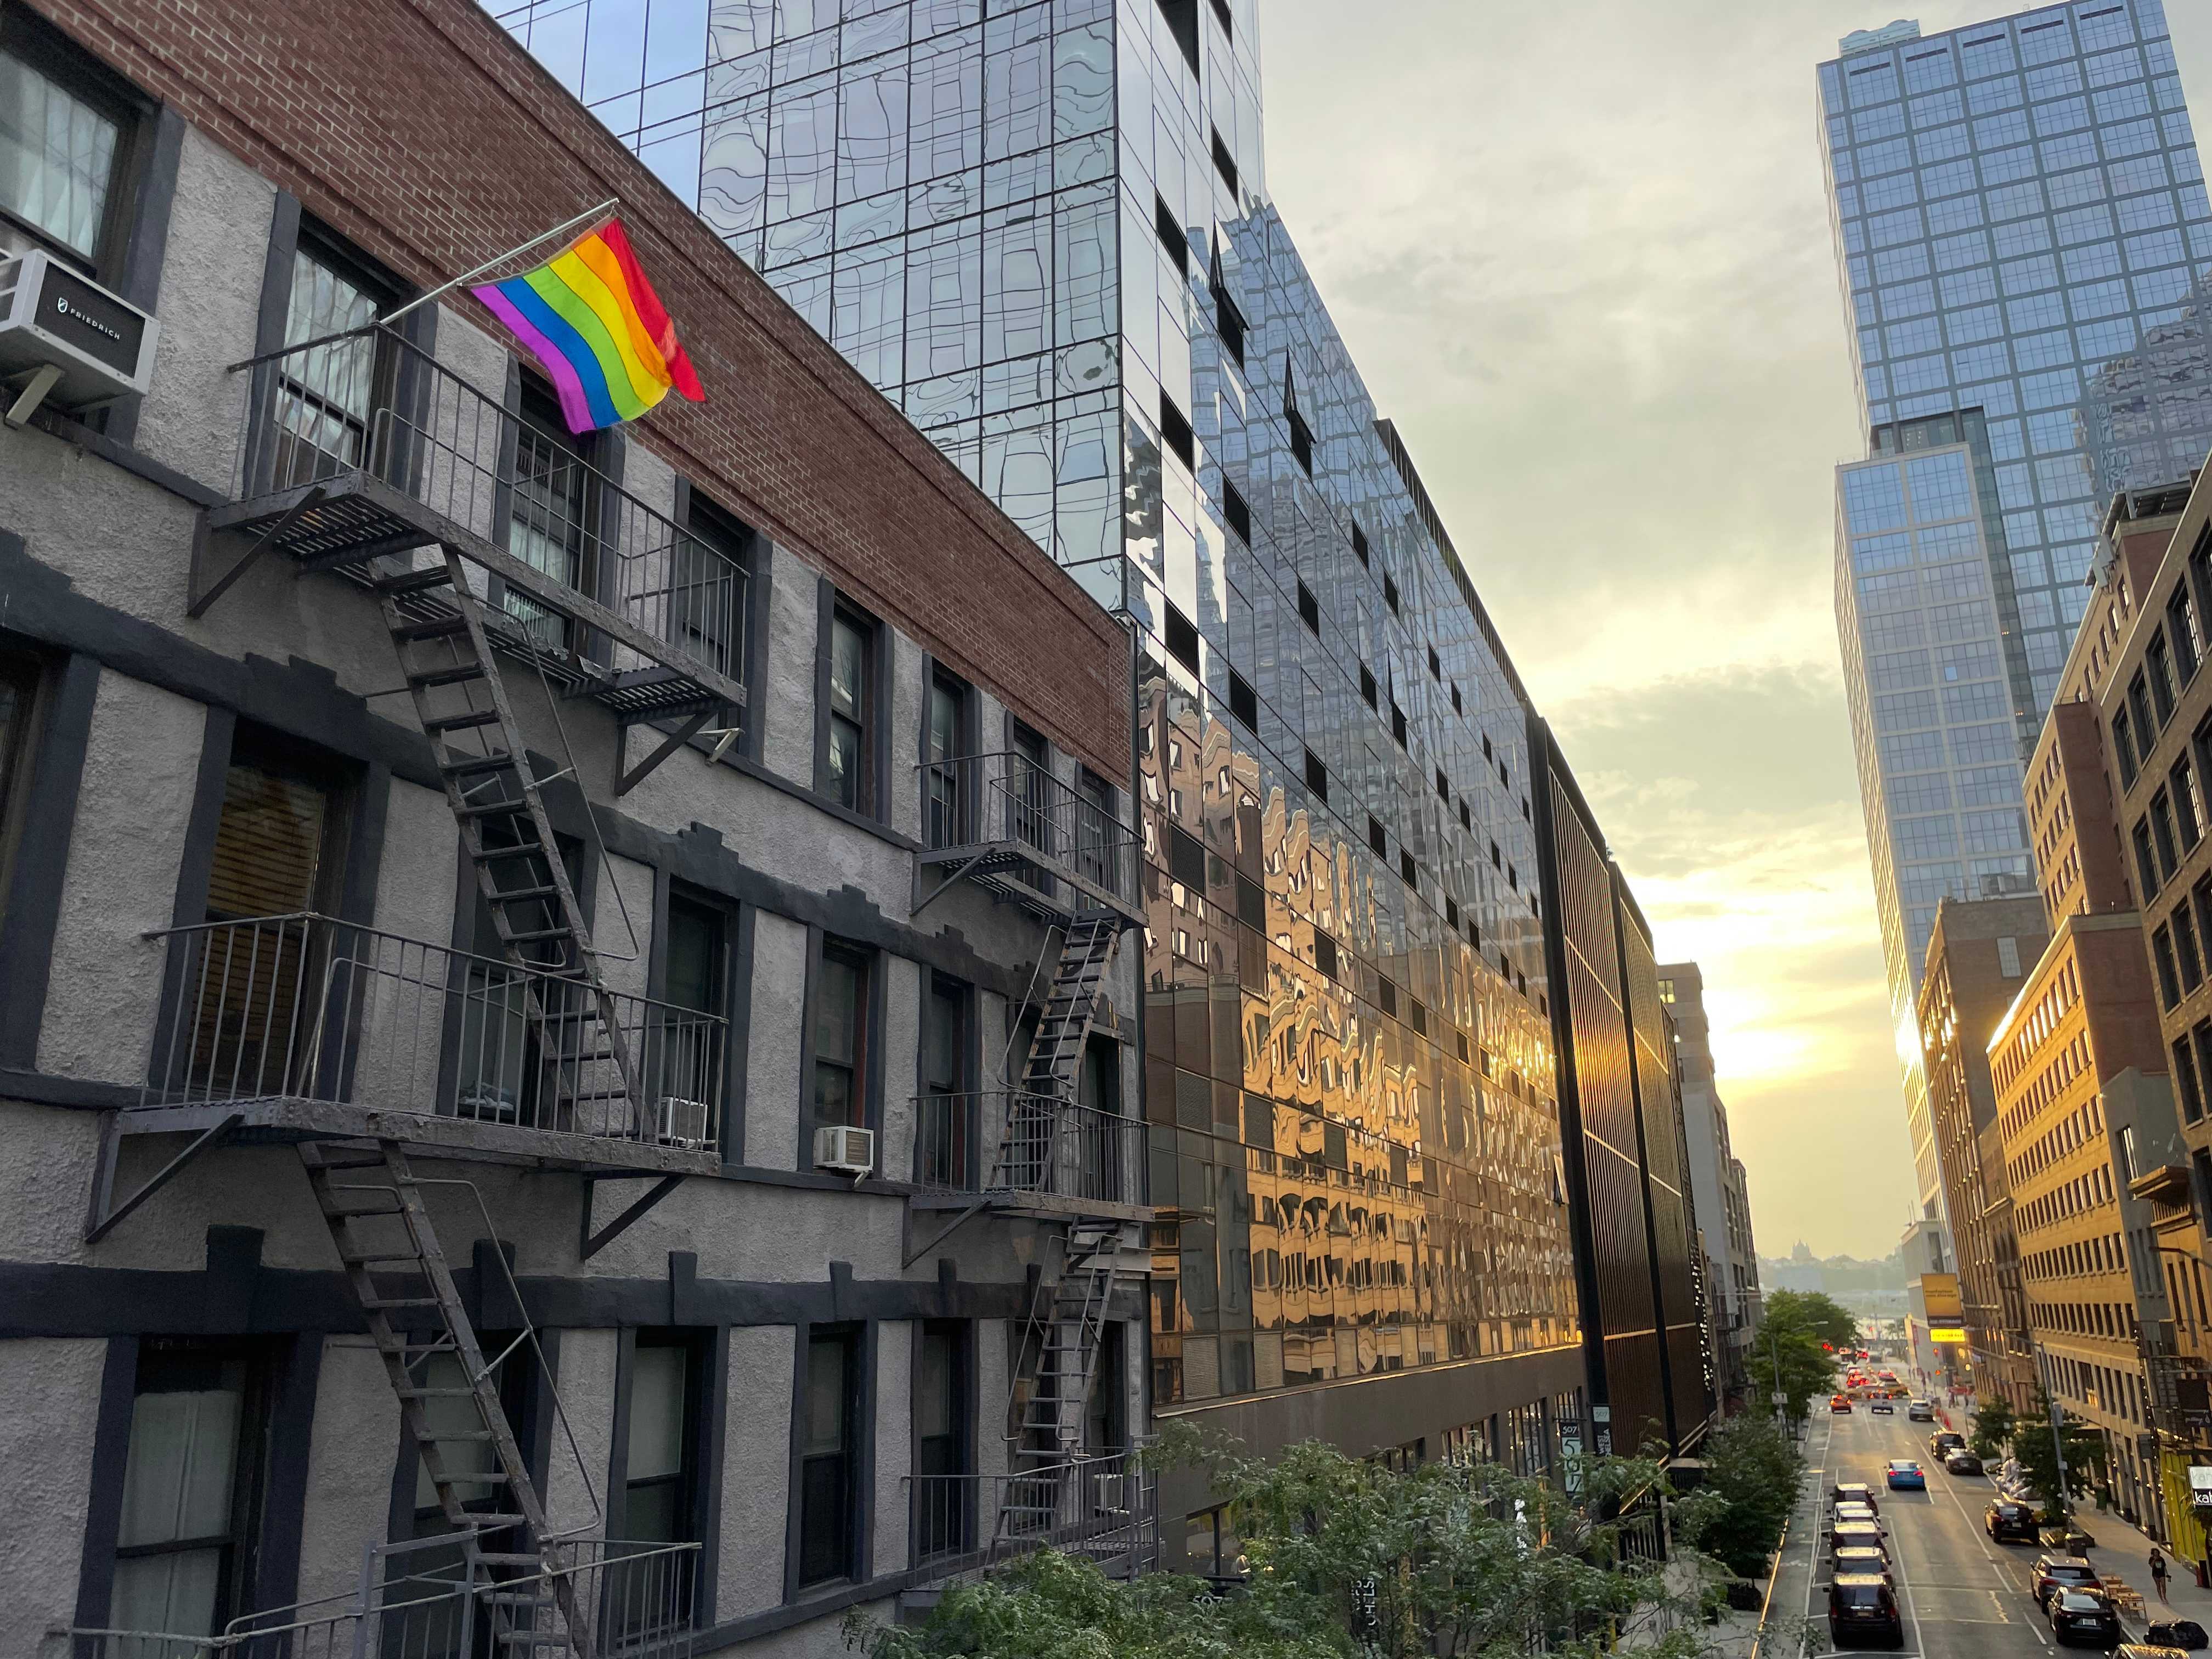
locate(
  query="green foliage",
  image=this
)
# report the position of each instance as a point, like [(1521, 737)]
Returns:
[(1348, 1557), (1752, 1471), (1792, 1328), (1811, 1310), (1994, 1427), (2039, 1458)]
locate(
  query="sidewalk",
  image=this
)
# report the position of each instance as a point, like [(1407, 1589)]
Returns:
[(2123, 1552)]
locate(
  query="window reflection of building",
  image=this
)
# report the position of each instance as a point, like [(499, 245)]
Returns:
[(1342, 1193)]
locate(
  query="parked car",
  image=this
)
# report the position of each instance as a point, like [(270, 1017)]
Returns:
[(2076, 1614), (1882, 1407), (1840, 1402), (1858, 1558), (2154, 1647), (2066, 1538), (2009, 1522), (2052, 1573), (1903, 1475), (1856, 1535), (1853, 1491), (1920, 1412), (1864, 1605), (1943, 1442), (1963, 1462)]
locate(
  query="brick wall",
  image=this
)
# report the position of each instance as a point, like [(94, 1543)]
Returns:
[(417, 129)]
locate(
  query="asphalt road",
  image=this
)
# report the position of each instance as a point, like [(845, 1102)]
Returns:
[(1963, 1596)]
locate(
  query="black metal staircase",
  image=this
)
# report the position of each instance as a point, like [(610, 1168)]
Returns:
[(361, 1191)]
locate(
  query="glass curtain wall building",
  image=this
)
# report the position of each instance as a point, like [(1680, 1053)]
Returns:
[(1042, 229), (2014, 203)]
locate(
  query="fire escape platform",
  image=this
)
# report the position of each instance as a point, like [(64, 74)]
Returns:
[(285, 1120), (1054, 1207), (364, 529)]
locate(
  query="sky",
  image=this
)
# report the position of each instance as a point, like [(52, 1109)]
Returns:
[(1580, 252)]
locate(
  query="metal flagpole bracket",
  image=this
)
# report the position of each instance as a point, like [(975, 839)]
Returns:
[(583, 218)]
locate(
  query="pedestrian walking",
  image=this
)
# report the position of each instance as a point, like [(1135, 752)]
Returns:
[(2158, 1572)]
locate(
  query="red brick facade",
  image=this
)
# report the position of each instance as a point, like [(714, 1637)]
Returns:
[(417, 129)]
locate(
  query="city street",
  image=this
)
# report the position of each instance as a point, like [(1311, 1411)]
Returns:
[(1963, 1596)]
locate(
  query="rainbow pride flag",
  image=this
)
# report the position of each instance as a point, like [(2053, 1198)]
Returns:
[(590, 317)]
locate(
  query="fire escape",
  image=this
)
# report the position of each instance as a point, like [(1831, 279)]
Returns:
[(1073, 1166), (499, 561)]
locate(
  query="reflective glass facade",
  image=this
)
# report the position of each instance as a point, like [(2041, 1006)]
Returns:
[(2147, 418), (1045, 234), (2014, 204), (1932, 724)]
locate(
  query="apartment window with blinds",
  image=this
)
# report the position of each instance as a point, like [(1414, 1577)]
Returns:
[(327, 395), (190, 1488), (274, 860)]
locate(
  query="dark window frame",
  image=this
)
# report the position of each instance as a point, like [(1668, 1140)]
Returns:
[(872, 791), (866, 1067), (860, 1343), (730, 994), (50, 52)]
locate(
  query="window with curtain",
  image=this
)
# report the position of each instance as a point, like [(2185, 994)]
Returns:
[(58, 154), (325, 394), (188, 1496), (826, 1491)]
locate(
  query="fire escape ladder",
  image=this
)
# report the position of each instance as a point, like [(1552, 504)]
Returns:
[(1066, 1322), (449, 1396), (1035, 1112), (495, 800)]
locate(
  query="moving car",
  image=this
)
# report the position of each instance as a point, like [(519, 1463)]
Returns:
[(2079, 1614), (1963, 1462), (1882, 1407), (1943, 1442), (1856, 1558), (1903, 1475), (2052, 1573), (1841, 1403), (1853, 1491), (1861, 1604), (2008, 1522), (1920, 1412)]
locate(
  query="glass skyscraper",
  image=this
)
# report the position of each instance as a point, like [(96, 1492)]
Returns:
[(1043, 230), (2014, 204)]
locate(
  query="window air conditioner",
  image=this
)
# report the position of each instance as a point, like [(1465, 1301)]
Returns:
[(1111, 1494), (849, 1152), (66, 341), (681, 1122)]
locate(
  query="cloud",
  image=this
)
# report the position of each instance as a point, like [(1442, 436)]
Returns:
[(1581, 254)]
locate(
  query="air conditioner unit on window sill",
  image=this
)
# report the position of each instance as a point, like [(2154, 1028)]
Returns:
[(847, 1150), (67, 341)]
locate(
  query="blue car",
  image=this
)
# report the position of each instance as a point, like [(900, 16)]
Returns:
[(1904, 1475)]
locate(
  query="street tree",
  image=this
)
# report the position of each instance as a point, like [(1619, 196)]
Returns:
[(1348, 1556), (1753, 1469), (2033, 1446), (1793, 1354), (1994, 1427), (1813, 1311)]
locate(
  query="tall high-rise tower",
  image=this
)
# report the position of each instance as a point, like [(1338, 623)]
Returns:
[(2014, 203)]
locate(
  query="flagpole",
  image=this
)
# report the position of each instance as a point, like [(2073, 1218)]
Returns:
[(588, 215)]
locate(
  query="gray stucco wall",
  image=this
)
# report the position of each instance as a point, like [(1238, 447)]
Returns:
[(52, 1391), (755, 1471)]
